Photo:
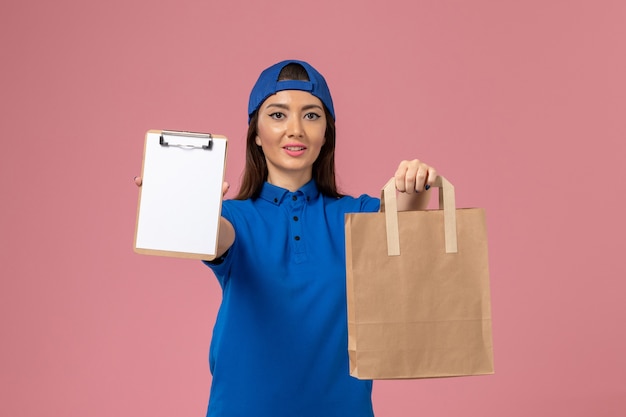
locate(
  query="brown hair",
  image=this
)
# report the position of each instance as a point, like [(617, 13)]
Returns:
[(255, 171)]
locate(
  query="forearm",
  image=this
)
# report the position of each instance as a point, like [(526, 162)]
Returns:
[(226, 236)]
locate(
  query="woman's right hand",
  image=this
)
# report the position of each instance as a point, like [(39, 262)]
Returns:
[(225, 185)]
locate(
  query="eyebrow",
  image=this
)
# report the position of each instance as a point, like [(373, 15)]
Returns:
[(286, 107)]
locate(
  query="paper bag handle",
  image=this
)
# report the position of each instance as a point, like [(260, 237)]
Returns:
[(389, 206)]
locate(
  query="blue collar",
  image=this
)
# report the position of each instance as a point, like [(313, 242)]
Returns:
[(276, 195)]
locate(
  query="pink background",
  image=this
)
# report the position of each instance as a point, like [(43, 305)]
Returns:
[(521, 104)]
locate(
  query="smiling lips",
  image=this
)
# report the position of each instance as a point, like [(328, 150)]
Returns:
[(294, 150)]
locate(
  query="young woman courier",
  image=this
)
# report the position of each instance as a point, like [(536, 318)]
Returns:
[(279, 346)]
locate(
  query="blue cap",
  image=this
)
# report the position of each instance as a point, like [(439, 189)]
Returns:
[(268, 84)]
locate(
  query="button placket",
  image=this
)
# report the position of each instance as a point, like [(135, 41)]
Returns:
[(297, 204)]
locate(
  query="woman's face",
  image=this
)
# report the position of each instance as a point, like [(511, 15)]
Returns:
[(290, 130)]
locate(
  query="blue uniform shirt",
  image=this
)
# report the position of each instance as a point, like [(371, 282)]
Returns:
[(279, 346)]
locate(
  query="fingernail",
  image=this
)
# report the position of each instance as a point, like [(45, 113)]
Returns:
[(427, 187)]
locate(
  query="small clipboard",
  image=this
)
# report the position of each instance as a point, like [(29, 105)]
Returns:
[(180, 199)]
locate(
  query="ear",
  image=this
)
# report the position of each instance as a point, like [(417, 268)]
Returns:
[(257, 140)]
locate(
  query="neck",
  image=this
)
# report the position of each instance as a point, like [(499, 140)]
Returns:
[(291, 182)]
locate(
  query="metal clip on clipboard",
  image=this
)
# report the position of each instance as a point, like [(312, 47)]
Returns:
[(208, 145)]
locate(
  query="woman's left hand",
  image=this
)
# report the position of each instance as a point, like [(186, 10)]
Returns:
[(414, 176)]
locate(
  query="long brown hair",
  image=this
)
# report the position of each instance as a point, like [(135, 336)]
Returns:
[(255, 171)]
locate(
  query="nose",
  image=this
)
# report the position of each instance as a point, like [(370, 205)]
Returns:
[(294, 127)]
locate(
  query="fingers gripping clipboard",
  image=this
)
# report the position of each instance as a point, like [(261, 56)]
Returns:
[(180, 199)]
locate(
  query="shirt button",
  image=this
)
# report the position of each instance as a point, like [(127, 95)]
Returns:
[(295, 218), (294, 198), (297, 237), (275, 200)]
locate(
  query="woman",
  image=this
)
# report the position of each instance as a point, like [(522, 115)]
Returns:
[(279, 345)]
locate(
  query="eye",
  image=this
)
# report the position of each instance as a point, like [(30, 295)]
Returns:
[(277, 115), (312, 116)]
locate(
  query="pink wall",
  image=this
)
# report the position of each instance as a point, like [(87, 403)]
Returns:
[(521, 104)]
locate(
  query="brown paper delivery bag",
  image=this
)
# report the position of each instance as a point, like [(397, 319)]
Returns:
[(418, 290)]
